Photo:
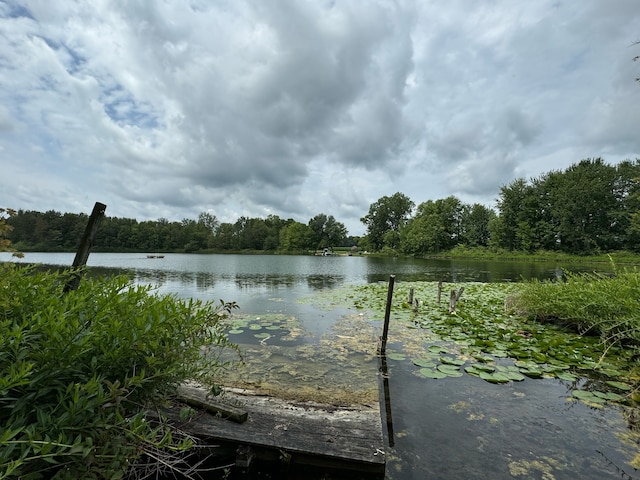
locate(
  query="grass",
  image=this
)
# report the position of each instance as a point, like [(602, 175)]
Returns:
[(590, 303)]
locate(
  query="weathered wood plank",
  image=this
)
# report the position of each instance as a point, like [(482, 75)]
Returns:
[(197, 397), (349, 438)]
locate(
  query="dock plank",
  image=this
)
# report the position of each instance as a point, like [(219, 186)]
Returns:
[(346, 437)]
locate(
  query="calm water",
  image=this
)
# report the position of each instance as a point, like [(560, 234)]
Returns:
[(457, 428)]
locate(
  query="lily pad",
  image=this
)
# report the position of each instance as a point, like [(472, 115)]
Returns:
[(495, 377), (396, 356), (235, 331), (452, 361), (587, 396), (432, 373), (619, 385), (424, 362), (450, 370), (566, 376)]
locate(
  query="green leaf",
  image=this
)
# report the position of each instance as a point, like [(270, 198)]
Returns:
[(619, 385), (432, 373)]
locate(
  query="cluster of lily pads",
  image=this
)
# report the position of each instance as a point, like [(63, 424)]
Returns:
[(481, 338), (266, 327)]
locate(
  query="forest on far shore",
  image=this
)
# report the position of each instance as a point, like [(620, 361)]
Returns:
[(589, 208)]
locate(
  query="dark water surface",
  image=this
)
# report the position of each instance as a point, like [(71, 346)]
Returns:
[(456, 428)]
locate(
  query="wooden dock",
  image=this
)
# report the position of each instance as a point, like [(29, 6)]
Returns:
[(302, 433)]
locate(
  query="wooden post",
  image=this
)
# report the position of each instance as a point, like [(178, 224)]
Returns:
[(453, 299), (439, 291), (82, 255), (410, 300), (385, 331), (387, 398)]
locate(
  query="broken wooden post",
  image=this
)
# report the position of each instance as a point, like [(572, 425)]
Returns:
[(416, 304), (82, 255), (385, 331), (410, 300), (439, 291), (453, 299)]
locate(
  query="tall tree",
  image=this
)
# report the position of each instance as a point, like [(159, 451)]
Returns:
[(296, 237), (326, 231), (474, 225), (386, 214), (436, 227)]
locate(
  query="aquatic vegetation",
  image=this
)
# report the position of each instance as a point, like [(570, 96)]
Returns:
[(272, 327), (338, 368), (604, 305), (481, 337)]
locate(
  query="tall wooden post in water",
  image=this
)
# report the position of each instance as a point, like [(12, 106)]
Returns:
[(82, 255), (387, 313)]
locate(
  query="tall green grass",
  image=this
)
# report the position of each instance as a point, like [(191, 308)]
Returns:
[(591, 303)]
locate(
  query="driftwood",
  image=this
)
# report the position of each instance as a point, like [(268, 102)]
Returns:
[(198, 398)]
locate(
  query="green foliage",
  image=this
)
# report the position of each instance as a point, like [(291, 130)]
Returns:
[(326, 231), (79, 371), (296, 237), (436, 227), (608, 306), (588, 208), (386, 214), (5, 243)]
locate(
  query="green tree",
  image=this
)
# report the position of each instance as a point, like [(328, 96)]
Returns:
[(326, 231), (296, 237), (511, 230), (387, 213), (5, 243), (436, 227), (474, 225), (225, 237)]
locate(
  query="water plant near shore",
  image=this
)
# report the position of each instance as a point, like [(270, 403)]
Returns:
[(79, 371), (481, 337)]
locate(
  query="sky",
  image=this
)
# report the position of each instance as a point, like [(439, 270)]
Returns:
[(170, 108)]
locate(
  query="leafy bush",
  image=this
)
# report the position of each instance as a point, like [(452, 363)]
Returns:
[(79, 371)]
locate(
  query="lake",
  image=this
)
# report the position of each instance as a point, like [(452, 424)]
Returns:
[(439, 429)]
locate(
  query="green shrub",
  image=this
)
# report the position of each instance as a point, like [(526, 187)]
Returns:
[(79, 371)]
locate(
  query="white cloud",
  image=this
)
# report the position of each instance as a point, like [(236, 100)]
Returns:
[(298, 108)]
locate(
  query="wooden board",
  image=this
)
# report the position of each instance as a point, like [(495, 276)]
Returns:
[(314, 434)]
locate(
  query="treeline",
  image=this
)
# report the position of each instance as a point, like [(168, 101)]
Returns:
[(55, 231), (591, 207)]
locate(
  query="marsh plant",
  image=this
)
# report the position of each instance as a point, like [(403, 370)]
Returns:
[(591, 303), (80, 371)]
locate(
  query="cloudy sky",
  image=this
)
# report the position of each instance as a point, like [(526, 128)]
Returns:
[(169, 108)]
